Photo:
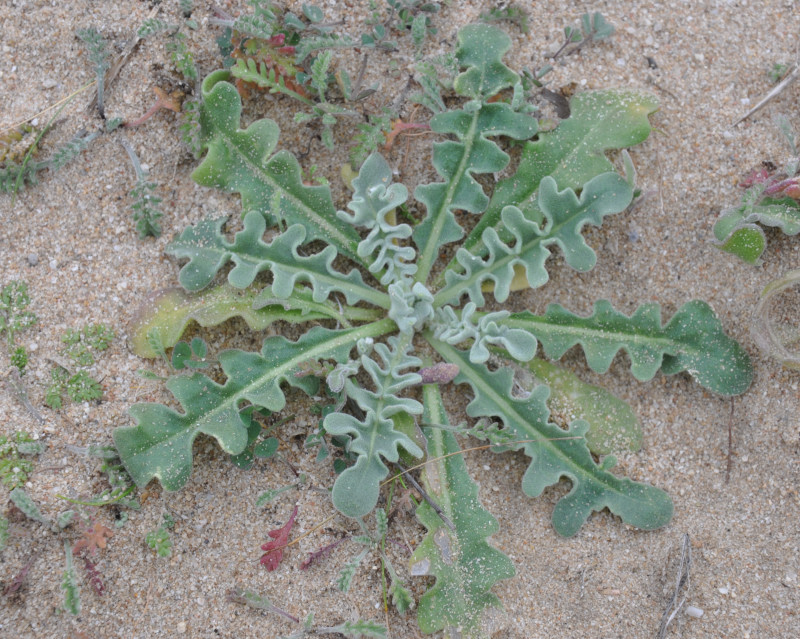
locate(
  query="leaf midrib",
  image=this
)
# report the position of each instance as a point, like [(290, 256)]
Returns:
[(376, 329), (312, 218), (484, 389)]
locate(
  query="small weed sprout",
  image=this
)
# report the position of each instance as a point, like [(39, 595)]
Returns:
[(159, 539), (771, 198), (16, 452), (72, 377)]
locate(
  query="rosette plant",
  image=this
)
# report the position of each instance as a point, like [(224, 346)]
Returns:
[(389, 330)]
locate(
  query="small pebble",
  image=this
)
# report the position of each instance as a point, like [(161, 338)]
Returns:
[(181, 627), (33, 259), (695, 612), (723, 591), (49, 83)]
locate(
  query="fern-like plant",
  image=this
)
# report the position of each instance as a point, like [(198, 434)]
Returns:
[(372, 320)]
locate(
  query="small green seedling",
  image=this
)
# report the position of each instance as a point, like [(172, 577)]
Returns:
[(771, 198), (14, 317), (159, 539), (72, 377), (16, 452)]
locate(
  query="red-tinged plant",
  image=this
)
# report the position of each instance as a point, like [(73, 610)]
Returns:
[(274, 549), (14, 586), (94, 576), (318, 554), (93, 538)]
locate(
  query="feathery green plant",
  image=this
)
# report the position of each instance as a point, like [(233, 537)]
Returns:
[(146, 213), (159, 539), (69, 583), (371, 320), (98, 56), (72, 377)]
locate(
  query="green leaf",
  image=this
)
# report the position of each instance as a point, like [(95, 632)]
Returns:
[(557, 452), (375, 198), (239, 161), (572, 154), (613, 426), (167, 313), (22, 500), (355, 492), (357, 629), (488, 331), (481, 48), (692, 341), (564, 216), (465, 565), (160, 445), (747, 242), (208, 251), (736, 230), (266, 448)]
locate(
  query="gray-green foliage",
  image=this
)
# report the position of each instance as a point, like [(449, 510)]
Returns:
[(563, 182), (98, 55), (69, 584), (14, 177), (16, 453)]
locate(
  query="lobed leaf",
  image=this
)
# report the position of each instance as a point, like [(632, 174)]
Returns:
[(481, 48), (572, 154), (208, 251), (240, 161), (168, 312), (355, 492), (564, 216), (557, 452), (160, 445), (486, 332), (692, 341), (375, 198), (465, 565)]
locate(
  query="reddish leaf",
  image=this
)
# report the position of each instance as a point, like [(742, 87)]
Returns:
[(95, 537), (14, 586), (274, 549), (94, 575), (318, 554)]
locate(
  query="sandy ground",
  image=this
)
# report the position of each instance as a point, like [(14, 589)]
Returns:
[(609, 580)]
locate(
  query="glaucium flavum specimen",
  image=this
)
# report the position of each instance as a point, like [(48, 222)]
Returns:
[(375, 318)]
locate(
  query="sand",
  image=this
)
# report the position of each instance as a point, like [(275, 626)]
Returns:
[(609, 580)]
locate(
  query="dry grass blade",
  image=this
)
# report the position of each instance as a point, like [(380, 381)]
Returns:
[(779, 88), (681, 584)]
